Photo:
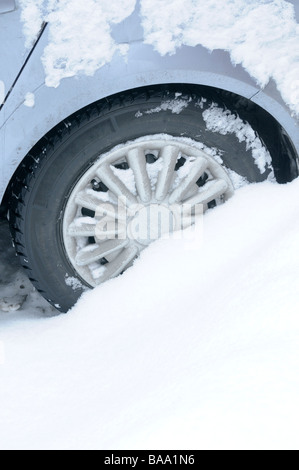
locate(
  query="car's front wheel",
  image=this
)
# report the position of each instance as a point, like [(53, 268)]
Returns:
[(112, 178)]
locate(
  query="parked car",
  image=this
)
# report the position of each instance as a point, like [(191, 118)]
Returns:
[(142, 132)]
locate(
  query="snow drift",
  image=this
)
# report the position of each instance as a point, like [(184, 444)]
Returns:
[(190, 348)]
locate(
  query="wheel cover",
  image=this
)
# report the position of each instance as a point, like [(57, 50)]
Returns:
[(133, 195)]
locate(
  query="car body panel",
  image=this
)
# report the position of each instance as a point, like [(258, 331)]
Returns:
[(21, 127), (13, 52), (7, 6), (296, 6)]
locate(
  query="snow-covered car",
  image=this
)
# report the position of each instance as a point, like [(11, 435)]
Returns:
[(112, 107)]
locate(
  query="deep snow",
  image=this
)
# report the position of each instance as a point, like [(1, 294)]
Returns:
[(190, 348)]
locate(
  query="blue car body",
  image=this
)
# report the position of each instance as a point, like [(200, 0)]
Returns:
[(22, 71)]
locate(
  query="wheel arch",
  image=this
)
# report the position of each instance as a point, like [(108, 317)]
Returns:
[(18, 144)]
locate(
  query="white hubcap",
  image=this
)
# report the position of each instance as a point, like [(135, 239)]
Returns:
[(132, 196), (150, 223)]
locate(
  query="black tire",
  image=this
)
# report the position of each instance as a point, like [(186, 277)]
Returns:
[(47, 175)]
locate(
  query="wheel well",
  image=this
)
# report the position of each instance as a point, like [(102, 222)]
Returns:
[(275, 138)]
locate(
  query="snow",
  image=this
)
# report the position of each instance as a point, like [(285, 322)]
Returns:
[(225, 122), (127, 177), (80, 39), (2, 354), (29, 100), (262, 35), (196, 345), (176, 106), (32, 18), (15, 289), (73, 282), (189, 349)]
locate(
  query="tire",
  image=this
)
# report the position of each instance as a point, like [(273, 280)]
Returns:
[(48, 175)]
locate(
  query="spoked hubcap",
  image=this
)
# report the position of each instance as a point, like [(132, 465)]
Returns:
[(133, 195)]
